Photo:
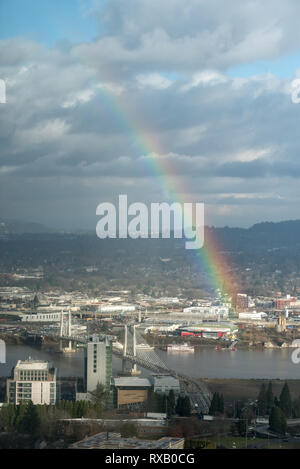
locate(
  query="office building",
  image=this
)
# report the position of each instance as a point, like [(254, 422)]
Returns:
[(241, 302), (32, 380), (97, 363)]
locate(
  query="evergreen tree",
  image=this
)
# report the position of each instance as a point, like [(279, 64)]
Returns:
[(214, 404), (296, 408), (285, 401), (217, 404), (99, 396), (269, 398), (242, 425), (178, 405), (20, 414), (277, 421), (31, 420), (221, 404), (7, 418), (171, 403), (35, 301), (186, 407), (262, 400)]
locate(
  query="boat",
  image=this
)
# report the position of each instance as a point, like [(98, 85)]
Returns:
[(180, 348), (225, 349)]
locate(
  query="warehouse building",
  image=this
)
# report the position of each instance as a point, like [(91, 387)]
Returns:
[(130, 392)]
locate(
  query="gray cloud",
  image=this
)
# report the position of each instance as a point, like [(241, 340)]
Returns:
[(84, 123)]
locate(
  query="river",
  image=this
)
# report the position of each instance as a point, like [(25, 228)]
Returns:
[(204, 363)]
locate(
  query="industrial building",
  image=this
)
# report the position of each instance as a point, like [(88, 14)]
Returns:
[(221, 312), (116, 308), (254, 316), (130, 391), (33, 380), (209, 330), (41, 317)]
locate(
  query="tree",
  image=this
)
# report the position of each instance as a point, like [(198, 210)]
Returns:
[(217, 404), (20, 414), (296, 408), (221, 403), (179, 405), (186, 407), (242, 426), (262, 400), (7, 418), (285, 401), (269, 398), (171, 403), (31, 420), (35, 302), (277, 421), (99, 397)]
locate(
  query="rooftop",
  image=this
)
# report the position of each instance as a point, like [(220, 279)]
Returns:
[(30, 364), (131, 382), (114, 440)]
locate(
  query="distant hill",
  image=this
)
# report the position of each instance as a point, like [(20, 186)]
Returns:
[(261, 236), (8, 227)]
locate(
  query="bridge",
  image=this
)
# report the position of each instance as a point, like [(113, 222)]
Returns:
[(138, 352)]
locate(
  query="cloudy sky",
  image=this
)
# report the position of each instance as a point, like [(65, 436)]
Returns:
[(184, 99)]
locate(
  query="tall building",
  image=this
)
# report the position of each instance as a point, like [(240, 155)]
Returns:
[(241, 302), (97, 363), (32, 380)]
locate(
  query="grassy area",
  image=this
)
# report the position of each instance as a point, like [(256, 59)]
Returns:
[(276, 445), (238, 442), (243, 389)]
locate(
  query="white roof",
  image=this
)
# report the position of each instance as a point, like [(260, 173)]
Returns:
[(132, 382), (32, 365)]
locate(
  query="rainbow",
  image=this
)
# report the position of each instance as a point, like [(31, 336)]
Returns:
[(213, 261)]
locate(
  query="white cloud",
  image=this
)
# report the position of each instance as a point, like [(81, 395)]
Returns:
[(81, 97), (44, 132), (205, 78), (153, 80)]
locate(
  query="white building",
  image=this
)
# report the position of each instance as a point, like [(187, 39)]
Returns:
[(97, 363), (254, 316), (116, 308), (41, 317), (221, 311), (33, 380)]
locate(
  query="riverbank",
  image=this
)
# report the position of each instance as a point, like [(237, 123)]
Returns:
[(31, 340)]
